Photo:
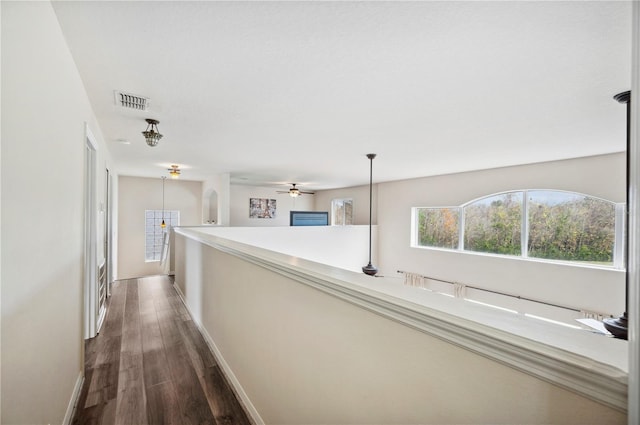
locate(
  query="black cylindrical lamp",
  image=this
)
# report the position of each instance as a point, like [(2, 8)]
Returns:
[(619, 327), (370, 269)]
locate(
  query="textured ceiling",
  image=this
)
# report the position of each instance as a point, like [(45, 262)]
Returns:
[(302, 91)]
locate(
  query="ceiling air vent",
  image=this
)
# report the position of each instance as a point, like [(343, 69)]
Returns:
[(131, 101)]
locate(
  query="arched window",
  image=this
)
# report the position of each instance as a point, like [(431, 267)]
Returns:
[(494, 224), (545, 224)]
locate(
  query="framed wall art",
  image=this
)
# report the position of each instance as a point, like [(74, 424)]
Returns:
[(262, 208)]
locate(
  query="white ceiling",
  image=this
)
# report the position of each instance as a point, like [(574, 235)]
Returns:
[(302, 91)]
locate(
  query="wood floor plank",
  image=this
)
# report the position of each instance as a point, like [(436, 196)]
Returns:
[(145, 301), (150, 364), (131, 346), (156, 367), (225, 407), (91, 349), (177, 304), (104, 379), (151, 335), (108, 416), (201, 357), (193, 402), (114, 317), (131, 308), (169, 327), (103, 386), (131, 407), (162, 405), (110, 351), (131, 376)]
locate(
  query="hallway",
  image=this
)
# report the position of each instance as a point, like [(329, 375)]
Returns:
[(150, 364)]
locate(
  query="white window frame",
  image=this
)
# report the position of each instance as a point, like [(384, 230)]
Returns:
[(334, 204), (618, 249), (154, 240)]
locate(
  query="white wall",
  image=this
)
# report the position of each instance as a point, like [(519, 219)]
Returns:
[(220, 184), (44, 110), (137, 194), (345, 247), (592, 289), (325, 360), (0, 221), (360, 196), (114, 224), (239, 202)]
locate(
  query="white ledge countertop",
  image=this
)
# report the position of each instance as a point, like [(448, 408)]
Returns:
[(591, 364)]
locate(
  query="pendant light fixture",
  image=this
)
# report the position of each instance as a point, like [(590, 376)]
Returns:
[(370, 269), (151, 135), (619, 327), (163, 224)]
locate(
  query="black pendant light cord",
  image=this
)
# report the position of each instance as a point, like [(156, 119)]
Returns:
[(163, 223), (370, 202), (370, 269), (619, 327)]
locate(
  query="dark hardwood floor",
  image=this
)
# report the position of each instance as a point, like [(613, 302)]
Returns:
[(150, 364)]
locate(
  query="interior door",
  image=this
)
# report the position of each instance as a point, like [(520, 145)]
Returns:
[(90, 239)]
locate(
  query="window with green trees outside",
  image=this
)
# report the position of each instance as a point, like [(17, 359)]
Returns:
[(545, 224)]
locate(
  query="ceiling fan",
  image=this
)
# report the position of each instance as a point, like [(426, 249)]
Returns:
[(294, 191), (174, 171)]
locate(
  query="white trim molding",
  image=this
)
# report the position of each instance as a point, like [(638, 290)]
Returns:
[(591, 365), (633, 300), (91, 310), (71, 408)]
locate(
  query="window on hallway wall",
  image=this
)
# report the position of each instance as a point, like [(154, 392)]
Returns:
[(439, 227), (571, 227), (154, 233), (494, 224), (543, 224), (341, 212)]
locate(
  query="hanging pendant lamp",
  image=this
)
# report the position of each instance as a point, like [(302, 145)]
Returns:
[(163, 225), (619, 327), (152, 135), (370, 269)]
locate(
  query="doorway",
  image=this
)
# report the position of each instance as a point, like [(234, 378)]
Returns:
[(94, 308)]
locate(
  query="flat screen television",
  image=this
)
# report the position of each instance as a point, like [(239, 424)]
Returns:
[(309, 218)]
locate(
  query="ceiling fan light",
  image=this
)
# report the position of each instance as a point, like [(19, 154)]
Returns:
[(294, 193), (174, 171)]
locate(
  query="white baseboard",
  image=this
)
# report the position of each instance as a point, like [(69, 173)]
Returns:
[(249, 408), (71, 408)]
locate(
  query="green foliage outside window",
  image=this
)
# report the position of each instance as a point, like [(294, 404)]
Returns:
[(561, 226), (572, 228), (494, 224), (438, 227)]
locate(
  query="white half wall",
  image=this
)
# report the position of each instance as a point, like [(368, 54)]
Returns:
[(345, 247), (239, 202), (44, 111), (300, 355), (137, 194)]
